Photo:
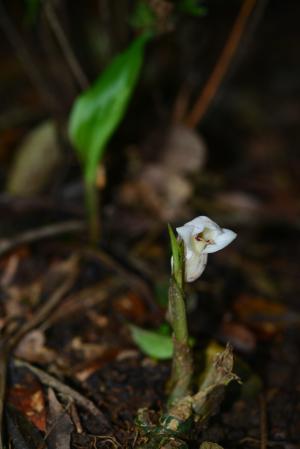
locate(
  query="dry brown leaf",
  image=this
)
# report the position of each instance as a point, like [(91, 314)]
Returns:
[(59, 424), (32, 348), (29, 399)]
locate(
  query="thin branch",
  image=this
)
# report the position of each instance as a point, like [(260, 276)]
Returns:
[(62, 388), (45, 310), (128, 276), (65, 46), (40, 234), (263, 422), (222, 65)]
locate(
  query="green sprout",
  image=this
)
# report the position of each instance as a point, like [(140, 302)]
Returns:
[(96, 114)]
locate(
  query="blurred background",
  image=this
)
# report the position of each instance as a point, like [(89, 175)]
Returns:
[(212, 128)]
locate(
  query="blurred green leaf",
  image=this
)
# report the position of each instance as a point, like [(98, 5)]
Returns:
[(152, 343), (161, 293), (192, 7), (143, 16), (29, 175), (32, 9), (98, 111)]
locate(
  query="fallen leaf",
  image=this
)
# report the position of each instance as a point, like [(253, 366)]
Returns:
[(32, 348), (265, 317), (131, 306), (184, 151), (59, 424), (22, 433), (29, 173), (238, 335), (29, 399)]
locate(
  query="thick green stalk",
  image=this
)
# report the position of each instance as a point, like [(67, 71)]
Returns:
[(182, 365), (92, 205)]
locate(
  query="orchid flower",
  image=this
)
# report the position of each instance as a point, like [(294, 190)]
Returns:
[(201, 236)]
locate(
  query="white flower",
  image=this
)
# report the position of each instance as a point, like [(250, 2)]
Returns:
[(202, 236)]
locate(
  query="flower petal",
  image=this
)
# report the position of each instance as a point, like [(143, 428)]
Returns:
[(186, 232), (194, 267), (202, 222), (223, 239)]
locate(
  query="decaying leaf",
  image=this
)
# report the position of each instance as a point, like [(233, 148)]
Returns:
[(219, 374), (36, 159), (32, 348), (163, 187), (172, 429), (59, 424), (22, 433), (184, 151), (265, 317), (210, 445), (28, 399)]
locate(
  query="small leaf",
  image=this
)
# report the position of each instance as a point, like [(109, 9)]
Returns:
[(192, 7), (177, 257), (98, 111), (32, 9), (36, 161), (152, 343), (143, 16)]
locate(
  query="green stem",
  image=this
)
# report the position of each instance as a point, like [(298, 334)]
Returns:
[(92, 205), (182, 366), (178, 312)]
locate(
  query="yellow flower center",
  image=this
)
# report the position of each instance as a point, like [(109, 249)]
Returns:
[(201, 240)]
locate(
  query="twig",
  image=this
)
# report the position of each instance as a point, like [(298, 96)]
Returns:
[(65, 46), (131, 279), (181, 103), (221, 67), (63, 389), (83, 299), (10, 341), (26, 59), (263, 422), (39, 234), (41, 203)]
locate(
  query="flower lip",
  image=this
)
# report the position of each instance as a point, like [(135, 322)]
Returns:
[(202, 235)]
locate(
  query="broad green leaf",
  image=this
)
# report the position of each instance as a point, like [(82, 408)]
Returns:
[(152, 343), (98, 111)]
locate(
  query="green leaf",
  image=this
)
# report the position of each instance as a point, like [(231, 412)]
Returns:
[(152, 343), (192, 7), (32, 9), (143, 16), (98, 111), (178, 258)]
